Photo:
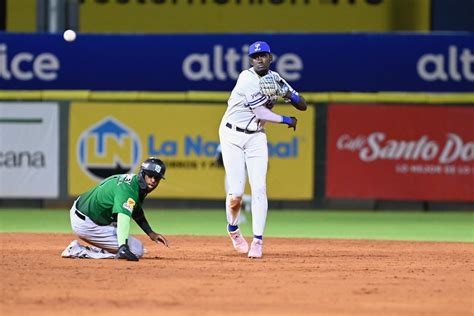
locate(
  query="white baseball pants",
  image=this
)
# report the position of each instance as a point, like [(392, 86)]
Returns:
[(104, 238), (242, 151)]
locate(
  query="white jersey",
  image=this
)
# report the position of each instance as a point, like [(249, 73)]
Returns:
[(245, 97)]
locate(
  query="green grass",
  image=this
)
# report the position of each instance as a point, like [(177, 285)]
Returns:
[(383, 225)]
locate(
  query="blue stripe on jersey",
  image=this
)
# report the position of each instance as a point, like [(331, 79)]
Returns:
[(260, 101), (257, 100), (246, 127)]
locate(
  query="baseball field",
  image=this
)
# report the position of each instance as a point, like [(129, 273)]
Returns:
[(315, 263)]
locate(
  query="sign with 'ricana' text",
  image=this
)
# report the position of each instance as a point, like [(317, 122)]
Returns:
[(29, 154)]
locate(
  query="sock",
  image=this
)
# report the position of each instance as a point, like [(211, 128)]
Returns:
[(258, 237), (232, 228)]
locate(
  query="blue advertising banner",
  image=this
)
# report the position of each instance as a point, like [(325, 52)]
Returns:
[(310, 62)]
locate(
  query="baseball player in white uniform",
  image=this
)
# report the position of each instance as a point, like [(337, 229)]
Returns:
[(244, 144)]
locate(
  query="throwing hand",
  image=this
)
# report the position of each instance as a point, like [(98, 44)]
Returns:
[(293, 123)]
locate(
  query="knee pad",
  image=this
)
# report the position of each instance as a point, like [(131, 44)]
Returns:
[(235, 202)]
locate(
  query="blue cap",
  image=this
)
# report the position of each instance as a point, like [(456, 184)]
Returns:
[(259, 47)]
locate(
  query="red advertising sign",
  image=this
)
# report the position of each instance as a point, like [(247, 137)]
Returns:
[(400, 152)]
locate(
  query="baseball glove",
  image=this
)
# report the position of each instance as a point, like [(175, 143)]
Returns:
[(271, 85)]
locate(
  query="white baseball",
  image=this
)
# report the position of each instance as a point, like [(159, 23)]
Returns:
[(69, 35)]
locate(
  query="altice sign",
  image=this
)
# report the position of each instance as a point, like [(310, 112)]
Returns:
[(213, 63), (25, 66), (227, 64), (456, 65)]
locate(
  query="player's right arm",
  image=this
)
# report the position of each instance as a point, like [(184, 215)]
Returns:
[(264, 114), (123, 228), (248, 84), (125, 202), (124, 212)]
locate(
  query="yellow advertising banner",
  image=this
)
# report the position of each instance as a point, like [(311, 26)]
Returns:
[(224, 16), (111, 138)]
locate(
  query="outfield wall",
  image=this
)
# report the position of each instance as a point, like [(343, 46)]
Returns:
[(367, 148), (117, 99)]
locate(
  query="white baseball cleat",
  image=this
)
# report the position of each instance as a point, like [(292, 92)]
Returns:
[(256, 249), (71, 249), (240, 244)]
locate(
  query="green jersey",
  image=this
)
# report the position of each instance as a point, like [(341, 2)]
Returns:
[(116, 194)]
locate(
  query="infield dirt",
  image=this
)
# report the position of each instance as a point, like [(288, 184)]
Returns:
[(204, 276)]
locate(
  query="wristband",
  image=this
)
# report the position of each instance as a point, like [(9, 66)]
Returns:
[(286, 120), (295, 98)]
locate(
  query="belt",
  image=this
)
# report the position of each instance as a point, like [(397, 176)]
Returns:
[(81, 216), (238, 129)]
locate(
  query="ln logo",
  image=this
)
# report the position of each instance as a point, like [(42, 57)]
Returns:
[(107, 148)]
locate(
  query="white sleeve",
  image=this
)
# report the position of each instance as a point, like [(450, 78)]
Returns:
[(264, 114)]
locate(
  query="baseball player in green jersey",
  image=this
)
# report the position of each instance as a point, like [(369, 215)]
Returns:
[(101, 216)]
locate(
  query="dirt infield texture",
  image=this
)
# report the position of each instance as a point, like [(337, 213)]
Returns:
[(204, 276)]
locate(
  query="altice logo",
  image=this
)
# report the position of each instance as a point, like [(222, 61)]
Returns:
[(445, 67), (26, 66), (227, 64)]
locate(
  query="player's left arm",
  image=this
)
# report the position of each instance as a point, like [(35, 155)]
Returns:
[(292, 96), (297, 100), (139, 217)]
